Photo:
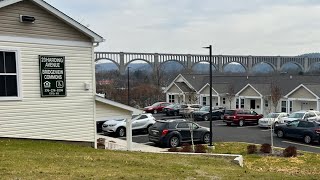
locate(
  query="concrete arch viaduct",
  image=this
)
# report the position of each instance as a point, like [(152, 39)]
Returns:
[(123, 59)]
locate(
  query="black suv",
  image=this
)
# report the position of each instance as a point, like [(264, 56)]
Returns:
[(309, 131), (172, 133), (204, 114)]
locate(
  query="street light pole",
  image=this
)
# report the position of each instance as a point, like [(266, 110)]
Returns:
[(210, 83), (128, 86)]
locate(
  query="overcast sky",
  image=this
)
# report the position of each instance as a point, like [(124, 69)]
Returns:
[(238, 27)]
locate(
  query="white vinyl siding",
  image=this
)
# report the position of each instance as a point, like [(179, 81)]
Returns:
[(45, 26), (69, 118)]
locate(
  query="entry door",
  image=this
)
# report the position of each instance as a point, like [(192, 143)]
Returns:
[(252, 104)]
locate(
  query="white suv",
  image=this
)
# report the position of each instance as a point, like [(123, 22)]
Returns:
[(272, 119), (303, 115), (186, 109), (118, 126)]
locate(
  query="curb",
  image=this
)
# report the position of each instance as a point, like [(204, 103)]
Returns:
[(238, 158)]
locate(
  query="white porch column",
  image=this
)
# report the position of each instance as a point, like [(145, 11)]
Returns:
[(219, 100), (129, 134), (239, 104), (318, 105), (262, 105), (167, 97), (288, 106), (184, 98)]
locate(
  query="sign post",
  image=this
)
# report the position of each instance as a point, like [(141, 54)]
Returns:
[(52, 76)]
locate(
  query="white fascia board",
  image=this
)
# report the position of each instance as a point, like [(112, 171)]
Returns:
[(95, 37), (8, 2), (116, 104), (249, 85), (171, 84), (45, 41), (301, 85), (199, 92)]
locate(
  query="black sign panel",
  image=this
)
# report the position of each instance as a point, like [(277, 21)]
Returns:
[(52, 76)]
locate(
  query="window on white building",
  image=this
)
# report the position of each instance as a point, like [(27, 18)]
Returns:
[(171, 98), (223, 100), (237, 103), (8, 74), (204, 101), (283, 106), (266, 103), (242, 104)]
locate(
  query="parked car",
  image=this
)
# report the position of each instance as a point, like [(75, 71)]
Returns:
[(272, 119), (156, 107), (303, 115), (172, 109), (241, 117), (187, 109), (172, 133), (203, 113), (309, 131), (118, 126)]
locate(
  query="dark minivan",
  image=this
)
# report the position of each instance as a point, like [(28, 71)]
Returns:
[(172, 133)]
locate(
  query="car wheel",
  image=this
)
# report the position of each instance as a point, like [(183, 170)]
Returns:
[(307, 139), (167, 114), (175, 113), (228, 124), (241, 123), (275, 124), (206, 138), (174, 141), (280, 134), (155, 111), (221, 117), (121, 131), (147, 129), (206, 117)]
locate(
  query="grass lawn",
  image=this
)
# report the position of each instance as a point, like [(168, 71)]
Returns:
[(27, 159)]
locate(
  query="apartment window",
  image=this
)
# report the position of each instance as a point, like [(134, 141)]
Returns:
[(8, 74), (223, 100), (237, 103), (204, 101), (242, 103), (283, 106), (290, 106), (266, 103), (171, 98)]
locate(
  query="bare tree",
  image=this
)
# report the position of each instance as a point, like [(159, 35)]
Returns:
[(230, 93), (275, 95)]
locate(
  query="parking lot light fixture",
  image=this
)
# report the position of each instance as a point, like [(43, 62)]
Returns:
[(210, 84)]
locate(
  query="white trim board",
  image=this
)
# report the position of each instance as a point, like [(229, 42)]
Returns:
[(295, 89), (237, 94), (44, 41)]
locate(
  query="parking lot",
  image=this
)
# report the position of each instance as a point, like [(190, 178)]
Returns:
[(249, 134)]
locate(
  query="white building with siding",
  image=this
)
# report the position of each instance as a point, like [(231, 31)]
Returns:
[(24, 113)]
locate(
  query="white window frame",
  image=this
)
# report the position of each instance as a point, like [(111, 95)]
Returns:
[(18, 74), (171, 98)]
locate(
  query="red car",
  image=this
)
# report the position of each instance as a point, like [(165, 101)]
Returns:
[(156, 107), (241, 117)]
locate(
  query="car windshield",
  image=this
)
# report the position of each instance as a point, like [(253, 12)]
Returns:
[(205, 108), (272, 115), (229, 112), (156, 104), (296, 115), (171, 106)]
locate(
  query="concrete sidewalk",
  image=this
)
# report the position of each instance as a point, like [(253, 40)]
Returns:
[(119, 144)]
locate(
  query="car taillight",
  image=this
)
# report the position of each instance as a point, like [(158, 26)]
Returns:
[(317, 131), (234, 117), (164, 132)]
